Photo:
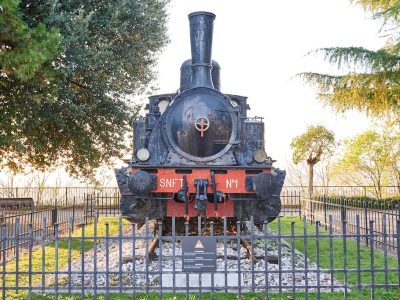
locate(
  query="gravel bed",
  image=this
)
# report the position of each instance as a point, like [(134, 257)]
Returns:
[(166, 271)]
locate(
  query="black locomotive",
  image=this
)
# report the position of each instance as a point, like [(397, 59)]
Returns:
[(196, 152)]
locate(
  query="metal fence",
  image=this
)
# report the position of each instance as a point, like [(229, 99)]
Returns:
[(384, 213), (59, 205), (48, 195), (18, 222), (107, 198), (55, 211), (353, 191), (291, 202), (80, 209), (283, 257), (57, 196)]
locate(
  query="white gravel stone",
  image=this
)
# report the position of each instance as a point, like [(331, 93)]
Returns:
[(134, 271)]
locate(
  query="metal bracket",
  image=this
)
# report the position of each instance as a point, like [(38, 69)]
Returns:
[(201, 194), (153, 182), (214, 187), (185, 195), (249, 183)]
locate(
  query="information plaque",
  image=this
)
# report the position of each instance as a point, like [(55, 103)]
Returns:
[(199, 254)]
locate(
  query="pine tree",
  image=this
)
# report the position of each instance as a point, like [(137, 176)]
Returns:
[(373, 85)]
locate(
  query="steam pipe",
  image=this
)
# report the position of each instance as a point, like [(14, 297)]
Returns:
[(201, 31)]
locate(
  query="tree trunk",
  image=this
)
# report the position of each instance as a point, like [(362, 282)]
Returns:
[(310, 178)]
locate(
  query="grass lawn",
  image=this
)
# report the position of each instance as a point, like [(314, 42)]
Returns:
[(352, 258), (218, 296)]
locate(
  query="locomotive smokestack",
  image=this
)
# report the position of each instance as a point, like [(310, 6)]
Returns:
[(201, 31)]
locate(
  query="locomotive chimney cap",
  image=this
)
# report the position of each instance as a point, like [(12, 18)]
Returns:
[(201, 32), (201, 13)]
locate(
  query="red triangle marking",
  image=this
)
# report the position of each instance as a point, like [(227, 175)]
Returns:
[(199, 245)]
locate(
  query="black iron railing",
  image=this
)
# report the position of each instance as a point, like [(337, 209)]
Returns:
[(59, 205), (384, 213), (287, 256)]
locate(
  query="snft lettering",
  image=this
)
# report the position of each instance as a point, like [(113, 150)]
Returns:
[(171, 182)]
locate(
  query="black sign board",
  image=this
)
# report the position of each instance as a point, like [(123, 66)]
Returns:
[(199, 254)]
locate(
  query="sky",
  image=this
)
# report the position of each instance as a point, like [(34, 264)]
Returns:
[(261, 45)]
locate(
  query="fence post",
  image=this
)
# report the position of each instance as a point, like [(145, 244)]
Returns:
[(118, 202), (398, 248), (325, 220), (54, 218), (91, 207), (54, 213), (398, 210), (301, 202), (343, 214), (73, 212), (31, 214), (3, 257), (312, 208), (85, 205), (366, 221)]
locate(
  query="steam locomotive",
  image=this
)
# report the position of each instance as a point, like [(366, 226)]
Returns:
[(196, 152)]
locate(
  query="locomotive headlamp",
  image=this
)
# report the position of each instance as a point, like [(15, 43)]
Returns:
[(143, 154), (260, 156)]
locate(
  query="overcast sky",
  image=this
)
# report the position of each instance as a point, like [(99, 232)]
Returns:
[(261, 46)]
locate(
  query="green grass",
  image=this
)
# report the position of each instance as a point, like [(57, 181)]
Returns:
[(364, 256), (217, 295), (50, 257), (352, 257)]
